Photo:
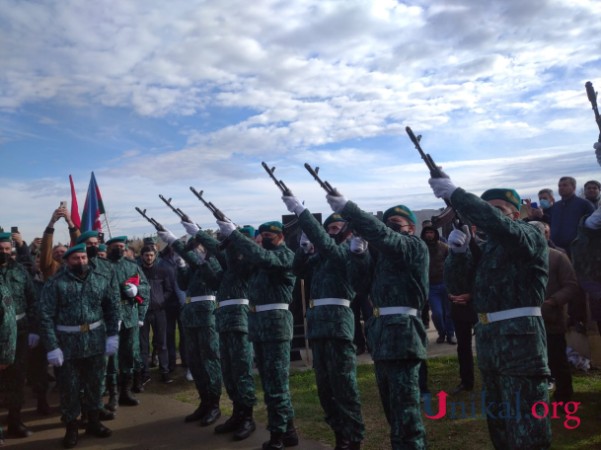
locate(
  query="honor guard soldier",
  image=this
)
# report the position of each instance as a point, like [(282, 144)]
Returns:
[(8, 335)]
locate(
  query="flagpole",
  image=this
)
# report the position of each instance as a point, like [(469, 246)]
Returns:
[(106, 221)]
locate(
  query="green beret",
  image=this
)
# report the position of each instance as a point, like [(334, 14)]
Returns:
[(271, 227), (148, 241), (509, 195), (117, 239), (86, 235), (248, 230), (401, 211), (5, 237), (102, 248), (333, 218), (79, 248)]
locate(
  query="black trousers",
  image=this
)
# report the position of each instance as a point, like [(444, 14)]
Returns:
[(560, 367), (463, 333), (157, 320), (173, 322)]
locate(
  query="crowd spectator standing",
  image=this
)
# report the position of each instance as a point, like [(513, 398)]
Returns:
[(592, 192)]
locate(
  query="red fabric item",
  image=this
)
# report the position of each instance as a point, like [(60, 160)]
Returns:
[(136, 281)]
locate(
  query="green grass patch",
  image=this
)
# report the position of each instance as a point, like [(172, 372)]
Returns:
[(444, 434)]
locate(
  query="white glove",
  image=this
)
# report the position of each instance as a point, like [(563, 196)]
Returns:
[(594, 220), (358, 245), (33, 340), (55, 357), (442, 187), (336, 202), (131, 290), (179, 262), (140, 323), (191, 228), (293, 205), (306, 244), (167, 236), (226, 228), (459, 240), (597, 147), (112, 345)]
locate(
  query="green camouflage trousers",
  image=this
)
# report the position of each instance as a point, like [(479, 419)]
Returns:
[(335, 364), (12, 379), (399, 392), (202, 348), (236, 367), (76, 376), (273, 362), (508, 427)]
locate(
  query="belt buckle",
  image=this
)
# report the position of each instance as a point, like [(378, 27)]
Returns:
[(188, 299), (84, 328), (483, 318), (376, 312), (311, 303)]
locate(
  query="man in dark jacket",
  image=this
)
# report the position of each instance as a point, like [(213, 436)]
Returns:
[(160, 290)]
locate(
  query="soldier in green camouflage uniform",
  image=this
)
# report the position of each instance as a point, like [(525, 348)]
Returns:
[(8, 335), (270, 322), (200, 280), (20, 285), (395, 334), (79, 313), (135, 294), (232, 324), (330, 320), (508, 291)]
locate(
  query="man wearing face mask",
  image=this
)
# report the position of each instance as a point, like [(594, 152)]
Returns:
[(17, 280), (200, 280), (395, 334), (509, 280), (79, 313), (324, 255), (270, 322), (135, 294)]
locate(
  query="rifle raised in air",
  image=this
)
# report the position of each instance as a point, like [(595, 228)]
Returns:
[(183, 216), (279, 183), (592, 97), (324, 184), (216, 212), (154, 223)]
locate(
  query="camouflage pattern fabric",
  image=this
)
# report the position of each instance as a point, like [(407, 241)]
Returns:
[(8, 327), (236, 367), (131, 311), (511, 273), (203, 359)]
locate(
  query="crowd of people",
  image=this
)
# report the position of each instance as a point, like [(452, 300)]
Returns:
[(513, 271)]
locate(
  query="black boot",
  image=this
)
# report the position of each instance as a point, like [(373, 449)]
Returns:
[(16, 428), (232, 423), (137, 383), (290, 438), (83, 419), (71, 435), (274, 442), (342, 443), (197, 414), (246, 425), (126, 398), (105, 414), (212, 412), (95, 428), (43, 406), (113, 399)]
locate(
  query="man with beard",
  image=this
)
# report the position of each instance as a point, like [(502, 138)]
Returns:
[(79, 313)]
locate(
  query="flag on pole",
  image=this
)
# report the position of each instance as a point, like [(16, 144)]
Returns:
[(74, 206), (92, 208)]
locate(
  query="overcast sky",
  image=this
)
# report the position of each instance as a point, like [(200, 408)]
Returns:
[(157, 96)]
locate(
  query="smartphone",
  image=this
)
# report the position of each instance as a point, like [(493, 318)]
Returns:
[(14, 229), (525, 201), (63, 204), (101, 237)]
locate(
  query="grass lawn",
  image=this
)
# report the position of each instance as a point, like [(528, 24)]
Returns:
[(447, 433)]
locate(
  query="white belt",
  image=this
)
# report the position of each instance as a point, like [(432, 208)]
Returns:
[(234, 301), (200, 298), (390, 310), (329, 301), (79, 328), (20, 316), (269, 307), (526, 311)]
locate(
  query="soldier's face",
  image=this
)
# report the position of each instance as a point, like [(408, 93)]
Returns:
[(5, 248), (77, 259), (505, 208), (335, 227), (92, 242), (403, 224)]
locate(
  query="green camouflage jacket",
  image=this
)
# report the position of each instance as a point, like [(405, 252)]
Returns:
[(271, 282), (8, 328), (131, 312), (20, 284), (330, 278), (400, 278), (70, 300)]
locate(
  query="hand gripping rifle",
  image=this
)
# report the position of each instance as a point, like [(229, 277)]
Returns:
[(216, 212), (592, 97), (324, 184), (279, 183), (154, 223), (449, 214), (183, 216)]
